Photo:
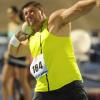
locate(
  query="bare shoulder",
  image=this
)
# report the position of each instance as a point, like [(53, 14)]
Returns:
[(56, 26), (55, 15)]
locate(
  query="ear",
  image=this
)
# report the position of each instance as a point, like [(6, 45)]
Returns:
[(43, 15)]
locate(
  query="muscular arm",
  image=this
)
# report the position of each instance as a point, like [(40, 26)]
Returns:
[(22, 50), (62, 17), (18, 45)]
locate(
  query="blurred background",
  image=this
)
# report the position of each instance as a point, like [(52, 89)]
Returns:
[(85, 35)]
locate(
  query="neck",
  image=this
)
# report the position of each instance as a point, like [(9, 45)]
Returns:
[(38, 26)]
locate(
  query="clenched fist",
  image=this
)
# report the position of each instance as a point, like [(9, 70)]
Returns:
[(21, 36), (25, 32)]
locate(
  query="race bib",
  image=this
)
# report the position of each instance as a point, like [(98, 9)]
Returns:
[(38, 67)]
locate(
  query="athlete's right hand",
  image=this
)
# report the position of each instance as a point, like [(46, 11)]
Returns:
[(21, 36)]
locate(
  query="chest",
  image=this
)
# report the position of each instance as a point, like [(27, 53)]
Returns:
[(37, 41)]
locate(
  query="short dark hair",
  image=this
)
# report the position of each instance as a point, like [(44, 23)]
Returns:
[(35, 4)]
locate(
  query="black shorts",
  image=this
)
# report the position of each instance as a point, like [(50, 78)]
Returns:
[(17, 62), (72, 91)]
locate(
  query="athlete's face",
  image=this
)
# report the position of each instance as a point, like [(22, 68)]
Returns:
[(32, 15)]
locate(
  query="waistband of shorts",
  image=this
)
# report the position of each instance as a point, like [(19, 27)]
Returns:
[(68, 87)]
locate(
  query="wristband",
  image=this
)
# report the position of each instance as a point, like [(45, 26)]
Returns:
[(14, 41)]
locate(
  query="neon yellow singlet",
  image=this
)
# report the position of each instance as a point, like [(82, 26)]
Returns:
[(59, 59)]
